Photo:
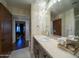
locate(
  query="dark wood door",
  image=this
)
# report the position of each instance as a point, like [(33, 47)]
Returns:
[(0, 35), (7, 35), (57, 27), (5, 30)]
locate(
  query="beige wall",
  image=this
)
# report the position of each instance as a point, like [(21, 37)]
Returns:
[(4, 2), (16, 11), (40, 21), (20, 11), (68, 22)]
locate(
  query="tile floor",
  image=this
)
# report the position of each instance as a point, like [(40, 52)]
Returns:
[(21, 53)]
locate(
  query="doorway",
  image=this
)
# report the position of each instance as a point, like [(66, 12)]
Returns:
[(20, 34), (57, 26)]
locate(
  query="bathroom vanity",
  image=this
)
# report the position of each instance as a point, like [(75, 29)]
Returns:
[(46, 47)]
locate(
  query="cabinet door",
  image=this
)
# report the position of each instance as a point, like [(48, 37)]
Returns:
[(0, 34), (5, 30), (1, 17), (2, 10), (7, 35)]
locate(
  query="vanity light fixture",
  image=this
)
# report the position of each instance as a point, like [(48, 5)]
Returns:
[(54, 1), (50, 4)]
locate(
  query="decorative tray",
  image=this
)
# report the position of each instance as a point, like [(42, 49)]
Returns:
[(70, 49)]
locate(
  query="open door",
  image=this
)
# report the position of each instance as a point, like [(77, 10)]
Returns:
[(20, 35)]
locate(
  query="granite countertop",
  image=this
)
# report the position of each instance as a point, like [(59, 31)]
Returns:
[(50, 45)]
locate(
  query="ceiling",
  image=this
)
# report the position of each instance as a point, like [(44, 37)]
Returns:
[(19, 3), (59, 7), (64, 5)]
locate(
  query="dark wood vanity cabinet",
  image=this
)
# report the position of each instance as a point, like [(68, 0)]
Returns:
[(5, 30), (39, 51)]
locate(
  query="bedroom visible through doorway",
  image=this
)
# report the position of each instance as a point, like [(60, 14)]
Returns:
[(20, 34)]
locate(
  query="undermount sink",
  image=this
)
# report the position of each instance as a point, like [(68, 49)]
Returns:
[(45, 39)]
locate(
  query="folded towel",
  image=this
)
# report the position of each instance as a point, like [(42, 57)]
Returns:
[(62, 40)]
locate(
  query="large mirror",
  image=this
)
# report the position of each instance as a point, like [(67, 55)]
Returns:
[(68, 12)]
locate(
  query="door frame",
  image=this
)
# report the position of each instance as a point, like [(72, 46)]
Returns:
[(15, 29), (14, 20)]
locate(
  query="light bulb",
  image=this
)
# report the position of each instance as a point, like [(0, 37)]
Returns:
[(54, 1)]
